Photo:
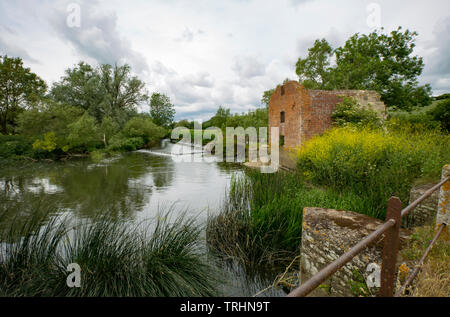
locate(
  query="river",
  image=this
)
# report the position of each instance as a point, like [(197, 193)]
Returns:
[(133, 186)]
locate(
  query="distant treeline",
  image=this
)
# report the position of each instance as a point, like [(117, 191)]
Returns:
[(90, 110)]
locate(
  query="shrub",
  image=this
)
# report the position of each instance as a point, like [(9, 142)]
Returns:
[(441, 113), (143, 127), (120, 143), (349, 111), (83, 134), (35, 123), (47, 145), (12, 146), (412, 122)]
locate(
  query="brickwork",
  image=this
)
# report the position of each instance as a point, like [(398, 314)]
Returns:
[(307, 113)]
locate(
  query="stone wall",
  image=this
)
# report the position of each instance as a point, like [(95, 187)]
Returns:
[(425, 213), (326, 235)]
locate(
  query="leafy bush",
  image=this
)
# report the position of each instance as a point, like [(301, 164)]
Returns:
[(12, 146), (349, 111), (47, 145), (83, 134), (441, 113), (35, 123), (144, 128), (120, 143)]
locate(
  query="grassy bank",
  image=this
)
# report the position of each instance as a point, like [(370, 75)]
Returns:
[(375, 163), (434, 278), (116, 259), (348, 168), (261, 220)]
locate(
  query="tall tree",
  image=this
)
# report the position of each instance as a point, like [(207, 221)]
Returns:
[(266, 97), (381, 62), (19, 88), (103, 91), (162, 110), (313, 71)]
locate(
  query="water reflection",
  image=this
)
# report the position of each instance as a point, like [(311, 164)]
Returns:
[(132, 186)]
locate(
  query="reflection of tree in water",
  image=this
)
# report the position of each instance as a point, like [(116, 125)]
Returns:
[(16, 214), (119, 188), (162, 171), (227, 168)]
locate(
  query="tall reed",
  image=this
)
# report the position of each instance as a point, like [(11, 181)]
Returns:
[(162, 258)]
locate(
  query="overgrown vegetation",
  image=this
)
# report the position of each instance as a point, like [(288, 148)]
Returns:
[(162, 258), (376, 61), (434, 278), (350, 112), (261, 221), (90, 110), (374, 163), (355, 167)]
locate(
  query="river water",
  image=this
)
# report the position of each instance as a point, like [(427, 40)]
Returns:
[(133, 186)]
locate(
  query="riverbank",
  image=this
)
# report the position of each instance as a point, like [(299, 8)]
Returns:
[(351, 168), (159, 258)]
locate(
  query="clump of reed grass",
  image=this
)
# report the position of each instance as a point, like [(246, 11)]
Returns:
[(116, 259), (261, 220)]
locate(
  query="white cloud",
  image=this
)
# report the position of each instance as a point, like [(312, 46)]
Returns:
[(204, 54)]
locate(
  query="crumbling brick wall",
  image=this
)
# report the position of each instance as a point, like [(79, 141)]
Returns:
[(307, 113)]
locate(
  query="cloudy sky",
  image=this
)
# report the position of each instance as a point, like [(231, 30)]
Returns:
[(207, 53)]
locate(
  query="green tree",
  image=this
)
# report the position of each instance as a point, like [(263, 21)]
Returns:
[(313, 70), (108, 128), (143, 127), (183, 123), (102, 91), (266, 97), (83, 134), (19, 89), (49, 117), (380, 62), (162, 110), (220, 118)]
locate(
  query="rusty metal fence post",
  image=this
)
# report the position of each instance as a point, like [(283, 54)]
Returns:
[(390, 248)]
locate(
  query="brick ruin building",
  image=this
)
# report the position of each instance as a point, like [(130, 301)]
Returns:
[(302, 114)]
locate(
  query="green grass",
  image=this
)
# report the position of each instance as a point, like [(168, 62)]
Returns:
[(162, 258), (375, 164), (261, 221), (355, 169)]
